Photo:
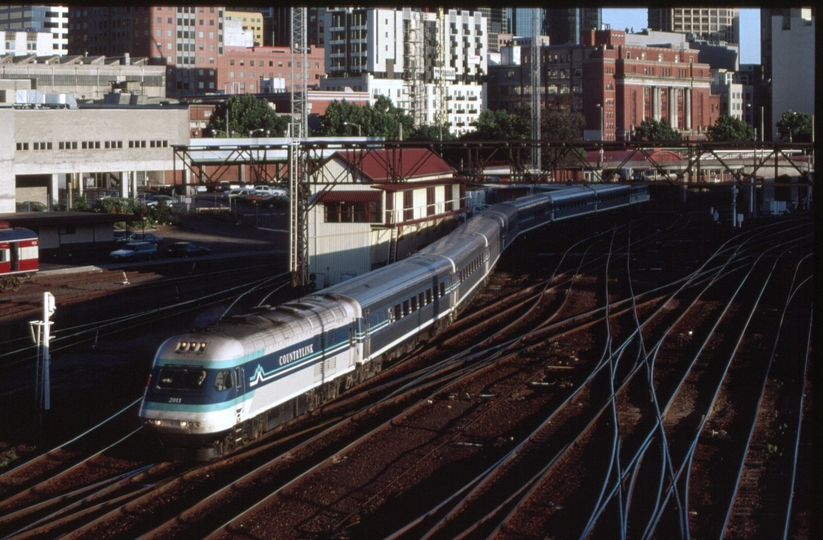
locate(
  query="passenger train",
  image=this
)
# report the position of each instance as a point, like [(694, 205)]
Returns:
[(19, 256), (214, 389)]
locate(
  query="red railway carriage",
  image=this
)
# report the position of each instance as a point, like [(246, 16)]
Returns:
[(19, 257)]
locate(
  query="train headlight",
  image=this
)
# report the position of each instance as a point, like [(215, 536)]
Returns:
[(183, 423), (156, 422)]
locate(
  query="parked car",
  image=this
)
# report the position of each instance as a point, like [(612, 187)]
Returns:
[(120, 236), (154, 200), (185, 249), (270, 191), (238, 193), (135, 250), (146, 237)]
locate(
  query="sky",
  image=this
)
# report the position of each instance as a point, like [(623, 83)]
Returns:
[(620, 19)]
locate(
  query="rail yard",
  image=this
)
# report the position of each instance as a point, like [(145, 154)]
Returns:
[(635, 374)]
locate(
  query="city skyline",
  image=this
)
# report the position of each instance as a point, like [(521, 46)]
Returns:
[(637, 18)]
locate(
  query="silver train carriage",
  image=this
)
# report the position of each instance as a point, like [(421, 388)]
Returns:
[(214, 389)]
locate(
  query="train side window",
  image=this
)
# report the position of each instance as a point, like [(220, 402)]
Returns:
[(397, 313), (421, 299), (222, 381), (442, 289), (414, 304), (428, 296), (406, 308)]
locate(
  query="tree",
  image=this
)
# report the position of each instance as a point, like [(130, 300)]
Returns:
[(499, 125), (379, 120), (246, 114), (657, 131), (795, 126), (729, 128), (431, 133), (562, 125)]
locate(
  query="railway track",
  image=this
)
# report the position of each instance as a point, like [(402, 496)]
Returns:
[(587, 378)]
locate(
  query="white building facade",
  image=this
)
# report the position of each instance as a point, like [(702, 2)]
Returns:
[(25, 43), (53, 20), (430, 65)]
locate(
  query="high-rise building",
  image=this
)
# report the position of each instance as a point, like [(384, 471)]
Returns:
[(520, 21), (497, 22), (281, 26), (186, 39), (712, 24), (38, 18), (787, 57), (394, 53), (565, 26)]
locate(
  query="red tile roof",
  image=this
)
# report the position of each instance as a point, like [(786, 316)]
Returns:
[(403, 164)]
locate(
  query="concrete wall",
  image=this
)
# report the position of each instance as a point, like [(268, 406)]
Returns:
[(139, 139)]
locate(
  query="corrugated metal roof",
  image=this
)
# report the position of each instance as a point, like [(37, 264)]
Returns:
[(405, 163)]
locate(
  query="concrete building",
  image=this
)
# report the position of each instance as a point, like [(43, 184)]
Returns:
[(264, 69), (788, 63), (250, 21), (616, 85), (394, 53), (623, 85), (38, 19), (186, 39), (86, 77), (52, 155), (735, 98), (713, 24), (386, 205), (563, 26), (19, 43)]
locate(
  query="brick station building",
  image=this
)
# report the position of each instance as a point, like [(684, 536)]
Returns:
[(632, 83)]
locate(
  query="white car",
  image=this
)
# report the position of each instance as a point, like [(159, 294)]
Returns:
[(135, 250)]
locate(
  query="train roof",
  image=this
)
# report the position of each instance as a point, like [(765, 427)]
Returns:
[(419, 269), (18, 233)]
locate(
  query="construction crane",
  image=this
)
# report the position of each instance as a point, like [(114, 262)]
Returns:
[(441, 114)]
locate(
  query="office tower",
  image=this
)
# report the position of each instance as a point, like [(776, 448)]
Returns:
[(711, 24)]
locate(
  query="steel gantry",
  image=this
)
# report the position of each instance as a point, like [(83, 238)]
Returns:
[(753, 164)]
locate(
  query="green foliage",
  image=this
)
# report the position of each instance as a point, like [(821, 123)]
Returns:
[(561, 125), (80, 204), (150, 215), (246, 114), (499, 125), (657, 131), (431, 133), (729, 128), (379, 120), (795, 126)]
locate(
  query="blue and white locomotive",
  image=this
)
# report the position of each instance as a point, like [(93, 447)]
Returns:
[(214, 389)]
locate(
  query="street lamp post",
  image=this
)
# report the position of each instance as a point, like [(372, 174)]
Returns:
[(355, 125), (261, 130)]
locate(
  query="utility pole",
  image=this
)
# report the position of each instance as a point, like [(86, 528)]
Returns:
[(535, 80), (41, 338)]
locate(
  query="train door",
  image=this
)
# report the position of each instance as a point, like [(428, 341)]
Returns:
[(15, 256), (366, 335), (5, 257), (239, 392)]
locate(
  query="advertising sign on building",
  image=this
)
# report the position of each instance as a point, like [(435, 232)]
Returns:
[(447, 73)]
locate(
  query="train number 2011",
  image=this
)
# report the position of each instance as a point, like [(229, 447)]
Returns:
[(175, 400)]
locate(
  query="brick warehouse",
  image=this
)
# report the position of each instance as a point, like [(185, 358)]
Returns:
[(632, 83)]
